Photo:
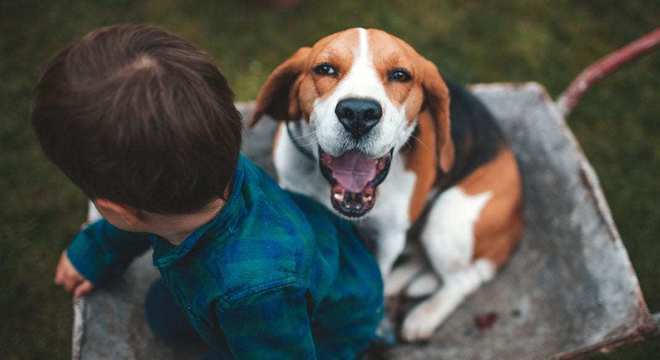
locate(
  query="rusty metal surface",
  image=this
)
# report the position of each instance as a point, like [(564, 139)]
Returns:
[(568, 290)]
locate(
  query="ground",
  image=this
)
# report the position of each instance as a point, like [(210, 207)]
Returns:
[(471, 41)]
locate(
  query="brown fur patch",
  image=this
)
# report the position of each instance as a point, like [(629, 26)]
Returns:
[(275, 95), (422, 161), (387, 54), (290, 90), (426, 89), (499, 226), (338, 50), (436, 97)]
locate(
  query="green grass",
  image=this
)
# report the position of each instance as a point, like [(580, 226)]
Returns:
[(472, 41)]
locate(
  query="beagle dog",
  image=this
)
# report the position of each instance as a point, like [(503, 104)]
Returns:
[(370, 129)]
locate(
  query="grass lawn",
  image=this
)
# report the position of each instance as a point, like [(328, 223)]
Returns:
[(471, 41)]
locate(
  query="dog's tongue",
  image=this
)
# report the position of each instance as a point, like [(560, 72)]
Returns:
[(353, 170)]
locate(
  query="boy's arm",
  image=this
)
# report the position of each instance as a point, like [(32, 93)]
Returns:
[(271, 325), (101, 251)]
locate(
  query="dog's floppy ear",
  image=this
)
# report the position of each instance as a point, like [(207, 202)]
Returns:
[(276, 96), (436, 98)]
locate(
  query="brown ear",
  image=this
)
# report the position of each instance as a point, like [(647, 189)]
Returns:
[(276, 96), (436, 97)]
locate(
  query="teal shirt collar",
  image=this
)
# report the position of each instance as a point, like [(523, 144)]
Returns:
[(165, 254)]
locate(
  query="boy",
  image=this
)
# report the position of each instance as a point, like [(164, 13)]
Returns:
[(145, 125)]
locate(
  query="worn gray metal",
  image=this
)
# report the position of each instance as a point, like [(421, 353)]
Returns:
[(568, 290)]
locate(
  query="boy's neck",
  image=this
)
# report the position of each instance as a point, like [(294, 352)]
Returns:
[(175, 228)]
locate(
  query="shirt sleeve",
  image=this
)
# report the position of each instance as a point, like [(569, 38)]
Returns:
[(101, 251), (269, 325)]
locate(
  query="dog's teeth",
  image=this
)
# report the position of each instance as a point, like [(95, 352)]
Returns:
[(339, 197), (367, 197)]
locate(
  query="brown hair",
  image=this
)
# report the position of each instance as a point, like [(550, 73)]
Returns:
[(141, 117)]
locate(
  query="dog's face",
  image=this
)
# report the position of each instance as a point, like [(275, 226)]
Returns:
[(361, 91)]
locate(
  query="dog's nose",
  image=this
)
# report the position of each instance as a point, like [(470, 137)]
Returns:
[(358, 116)]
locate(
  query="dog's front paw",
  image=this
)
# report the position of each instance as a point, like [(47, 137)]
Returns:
[(419, 323)]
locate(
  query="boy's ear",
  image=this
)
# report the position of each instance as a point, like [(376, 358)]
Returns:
[(110, 209), (277, 96)]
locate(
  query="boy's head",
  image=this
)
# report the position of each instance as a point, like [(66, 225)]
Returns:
[(140, 117)]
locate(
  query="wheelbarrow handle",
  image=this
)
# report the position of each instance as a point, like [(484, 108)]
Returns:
[(603, 67)]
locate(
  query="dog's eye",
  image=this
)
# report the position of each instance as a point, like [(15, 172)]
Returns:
[(400, 75), (325, 69)]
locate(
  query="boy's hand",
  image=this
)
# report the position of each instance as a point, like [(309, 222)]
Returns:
[(67, 276)]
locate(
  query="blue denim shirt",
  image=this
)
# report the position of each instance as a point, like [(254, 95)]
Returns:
[(274, 275)]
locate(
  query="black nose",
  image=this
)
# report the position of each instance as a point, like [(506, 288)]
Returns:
[(358, 116)]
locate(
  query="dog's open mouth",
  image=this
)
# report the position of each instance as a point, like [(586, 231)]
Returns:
[(353, 179)]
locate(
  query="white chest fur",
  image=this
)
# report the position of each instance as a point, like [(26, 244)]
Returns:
[(296, 171)]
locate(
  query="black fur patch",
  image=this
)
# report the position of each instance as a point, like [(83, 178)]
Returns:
[(477, 137)]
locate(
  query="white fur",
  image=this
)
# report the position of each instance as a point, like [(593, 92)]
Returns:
[(296, 172), (448, 237)]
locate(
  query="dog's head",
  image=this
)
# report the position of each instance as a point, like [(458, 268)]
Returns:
[(362, 92)]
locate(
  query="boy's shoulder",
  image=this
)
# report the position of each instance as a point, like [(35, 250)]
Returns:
[(273, 239), (271, 245)]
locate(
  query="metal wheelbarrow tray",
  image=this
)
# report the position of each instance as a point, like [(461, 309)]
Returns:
[(570, 288)]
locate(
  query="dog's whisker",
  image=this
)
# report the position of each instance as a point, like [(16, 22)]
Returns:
[(421, 142)]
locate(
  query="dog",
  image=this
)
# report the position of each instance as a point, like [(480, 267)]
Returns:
[(371, 129)]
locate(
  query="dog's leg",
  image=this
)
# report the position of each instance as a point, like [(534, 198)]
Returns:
[(448, 239), (426, 317), (390, 247)]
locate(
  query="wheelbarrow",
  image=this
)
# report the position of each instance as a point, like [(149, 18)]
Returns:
[(569, 290)]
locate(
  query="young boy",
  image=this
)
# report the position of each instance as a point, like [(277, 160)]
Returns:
[(144, 123)]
